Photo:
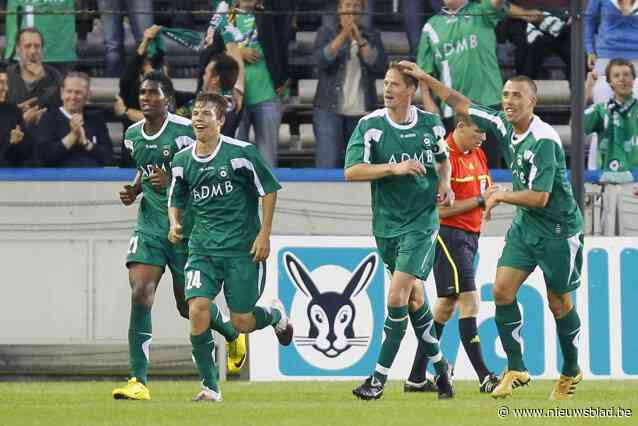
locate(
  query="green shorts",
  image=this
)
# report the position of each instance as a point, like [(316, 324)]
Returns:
[(561, 260), (158, 251), (412, 252), (242, 279)]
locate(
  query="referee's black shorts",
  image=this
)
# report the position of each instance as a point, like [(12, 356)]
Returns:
[(454, 261)]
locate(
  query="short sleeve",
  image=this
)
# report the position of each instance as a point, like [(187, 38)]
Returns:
[(178, 192), (260, 173), (360, 146), (543, 166), (490, 15), (425, 53), (489, 120)]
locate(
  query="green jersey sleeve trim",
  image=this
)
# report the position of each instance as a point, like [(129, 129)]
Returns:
[(488, 118), (177, 192)]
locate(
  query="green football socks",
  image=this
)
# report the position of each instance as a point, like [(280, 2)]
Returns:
[(509, 323), (265, 317), (423, 324), (217, 323), (395, 325), (203, 352), (140, 335), (568, 329)]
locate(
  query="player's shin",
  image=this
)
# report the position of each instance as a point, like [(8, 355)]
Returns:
[(568, 329), (222, 325), (395, 326), (139, 341), (423, 324), (265, 317), (509, 323), (204, 355)]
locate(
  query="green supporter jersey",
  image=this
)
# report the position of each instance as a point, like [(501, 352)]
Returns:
[(224, 190), (153, 151), (460, 50), (400, 204), (537, 161), (617, 129), (58, 30), (259, 87)]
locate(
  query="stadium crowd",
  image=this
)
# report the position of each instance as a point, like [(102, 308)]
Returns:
[(45, 84)]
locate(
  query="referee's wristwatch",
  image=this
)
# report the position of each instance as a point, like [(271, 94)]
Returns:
[(480, 201)]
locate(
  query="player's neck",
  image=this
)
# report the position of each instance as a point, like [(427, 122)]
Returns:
[(522, 125), (154, 124), (207, 146), (621, 99), (400, 115)]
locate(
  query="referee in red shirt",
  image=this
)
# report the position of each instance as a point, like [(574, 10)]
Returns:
[(456, 248)]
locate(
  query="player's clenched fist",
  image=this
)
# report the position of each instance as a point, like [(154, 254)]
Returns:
[(176, 234), (128, 194)]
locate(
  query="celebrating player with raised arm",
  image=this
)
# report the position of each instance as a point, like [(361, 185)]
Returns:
[(153, 142), (402, 152), (547, 230), (221, 181)]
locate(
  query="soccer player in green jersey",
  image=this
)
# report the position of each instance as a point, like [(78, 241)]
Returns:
[(221, 180), (153, 142), (547, 230), (402, 152)]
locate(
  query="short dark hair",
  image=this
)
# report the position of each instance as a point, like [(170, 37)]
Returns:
[(78, 74), (527, 80), (29, 30), (619, 62), (227, 68), (408, 79), (164, 82), (219, 102)]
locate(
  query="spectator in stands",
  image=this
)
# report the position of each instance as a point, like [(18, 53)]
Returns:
[(615, 121), (415, 13), (127, 105), (459, 46), (220, 72), (367, 17), (263, 41), (33, 86), (69, 136), (58, 27), (140, 13), (611, 31), (537, 35), (348, 56), (15, 144)]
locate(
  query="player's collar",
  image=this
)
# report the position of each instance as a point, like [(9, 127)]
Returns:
[(413, 118), (211, 156), (447, 11), (159, 132), (516, 139)]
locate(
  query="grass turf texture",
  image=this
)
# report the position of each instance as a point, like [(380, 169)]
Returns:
[(295, 403)]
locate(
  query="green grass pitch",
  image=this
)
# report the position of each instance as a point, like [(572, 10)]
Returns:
[(297, 403)]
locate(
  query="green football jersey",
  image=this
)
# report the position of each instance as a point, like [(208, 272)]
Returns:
[(58, 30), (460, 49), (224, 190), (617, 129), (153, 151), (537, 161), (400, 204), (259, 87)]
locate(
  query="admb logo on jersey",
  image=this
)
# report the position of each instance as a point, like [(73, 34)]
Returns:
[(335, 297)]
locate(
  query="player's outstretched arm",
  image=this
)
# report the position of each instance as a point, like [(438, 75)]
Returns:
[(459, 103), (261, 246), (364, 172)]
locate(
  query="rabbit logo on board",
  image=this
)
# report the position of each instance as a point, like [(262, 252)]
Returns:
[(332, 308)]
